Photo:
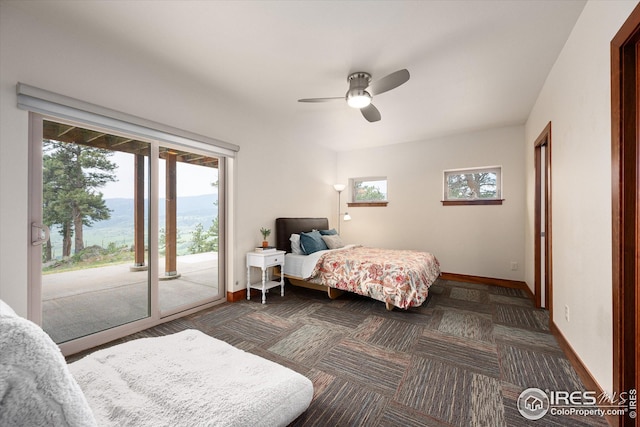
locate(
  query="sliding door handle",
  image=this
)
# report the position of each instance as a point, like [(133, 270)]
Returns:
[(39, 234)]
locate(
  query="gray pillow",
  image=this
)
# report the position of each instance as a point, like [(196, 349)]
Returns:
[(333, 241)]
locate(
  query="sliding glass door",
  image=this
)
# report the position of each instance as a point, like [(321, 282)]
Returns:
[(100, 196), (188, 221)]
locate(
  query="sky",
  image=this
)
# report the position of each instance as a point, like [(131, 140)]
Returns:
[(191, 180)]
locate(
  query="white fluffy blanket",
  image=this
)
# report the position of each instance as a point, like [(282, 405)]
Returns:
[(36, 388), (189, 379)]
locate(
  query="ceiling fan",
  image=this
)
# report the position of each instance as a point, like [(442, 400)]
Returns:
[(361, 91)]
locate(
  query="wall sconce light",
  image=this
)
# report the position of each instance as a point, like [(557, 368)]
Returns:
[(340, 188)]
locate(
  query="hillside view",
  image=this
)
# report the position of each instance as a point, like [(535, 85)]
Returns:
[(118, 230)]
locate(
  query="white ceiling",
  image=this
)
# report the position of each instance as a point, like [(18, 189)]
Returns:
[(474, 64)]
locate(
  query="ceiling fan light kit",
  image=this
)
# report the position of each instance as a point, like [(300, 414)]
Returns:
[(361, 91), (358, 98)]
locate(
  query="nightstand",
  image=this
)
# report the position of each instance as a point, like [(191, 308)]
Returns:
[(264, 260)]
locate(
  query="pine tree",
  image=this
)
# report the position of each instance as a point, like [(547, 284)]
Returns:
[(368, 192), (198, 240), (72, 173)]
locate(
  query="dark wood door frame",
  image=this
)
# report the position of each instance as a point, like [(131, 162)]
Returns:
[(625, 165), (544, 140)]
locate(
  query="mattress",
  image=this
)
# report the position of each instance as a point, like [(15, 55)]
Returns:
[(301, 266), (189, 379), (294, 265)]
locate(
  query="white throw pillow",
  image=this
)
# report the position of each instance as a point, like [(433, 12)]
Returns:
[(295, 244)]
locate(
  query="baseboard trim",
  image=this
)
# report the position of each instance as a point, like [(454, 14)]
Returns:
[(237, 295), (242, 295), (505, 283), (587, 379)]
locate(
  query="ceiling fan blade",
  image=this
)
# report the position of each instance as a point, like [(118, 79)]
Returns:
[(321, 99), (371, 113), (389, 82)]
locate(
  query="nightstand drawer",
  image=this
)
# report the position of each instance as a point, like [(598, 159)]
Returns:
[(274, 259)]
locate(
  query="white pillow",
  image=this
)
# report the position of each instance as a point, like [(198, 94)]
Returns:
[(333, 241), (295, 244)]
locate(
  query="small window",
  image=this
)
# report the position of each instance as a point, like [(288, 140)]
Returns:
[(368, 191), (481, 186)]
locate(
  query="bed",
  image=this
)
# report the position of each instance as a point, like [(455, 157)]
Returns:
[(184, 379), (399, 278)]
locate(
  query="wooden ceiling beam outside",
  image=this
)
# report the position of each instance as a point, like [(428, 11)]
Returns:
[(73, 134), (65, 131), (95, 137), (122, 142)]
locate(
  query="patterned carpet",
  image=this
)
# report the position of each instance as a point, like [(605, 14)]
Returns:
[(461, 359)]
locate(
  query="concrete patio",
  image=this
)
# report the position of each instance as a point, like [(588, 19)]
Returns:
[(79, 303)]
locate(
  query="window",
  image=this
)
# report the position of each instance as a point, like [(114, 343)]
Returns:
[(476, 186), (368, 191)]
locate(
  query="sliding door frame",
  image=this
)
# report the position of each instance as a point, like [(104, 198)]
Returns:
[(34, 269), (155, 317)]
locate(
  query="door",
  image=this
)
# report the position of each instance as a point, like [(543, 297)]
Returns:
[(542, 220), (188, 221), (133, 233), (625, 160), (88, 202)]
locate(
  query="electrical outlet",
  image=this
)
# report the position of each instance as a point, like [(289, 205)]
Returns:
[(514, 266), (566, 312)]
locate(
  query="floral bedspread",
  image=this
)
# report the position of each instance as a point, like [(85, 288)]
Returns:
[(399, 277)]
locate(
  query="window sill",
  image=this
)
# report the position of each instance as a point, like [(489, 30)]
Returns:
[(367, 204), (472, 202)]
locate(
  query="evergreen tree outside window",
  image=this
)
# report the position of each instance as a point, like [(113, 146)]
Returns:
[(473, 186), (369, 190)]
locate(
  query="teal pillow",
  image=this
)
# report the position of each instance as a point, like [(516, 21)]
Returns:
[(312, 242), (329, 232)]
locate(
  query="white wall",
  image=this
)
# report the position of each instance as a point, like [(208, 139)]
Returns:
[(81, 65), (473, 240), (576, 98)]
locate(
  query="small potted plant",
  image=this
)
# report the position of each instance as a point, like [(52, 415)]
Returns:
[(265, 233)]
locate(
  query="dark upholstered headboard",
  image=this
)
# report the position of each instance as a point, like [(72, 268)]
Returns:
[(285, 227)]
